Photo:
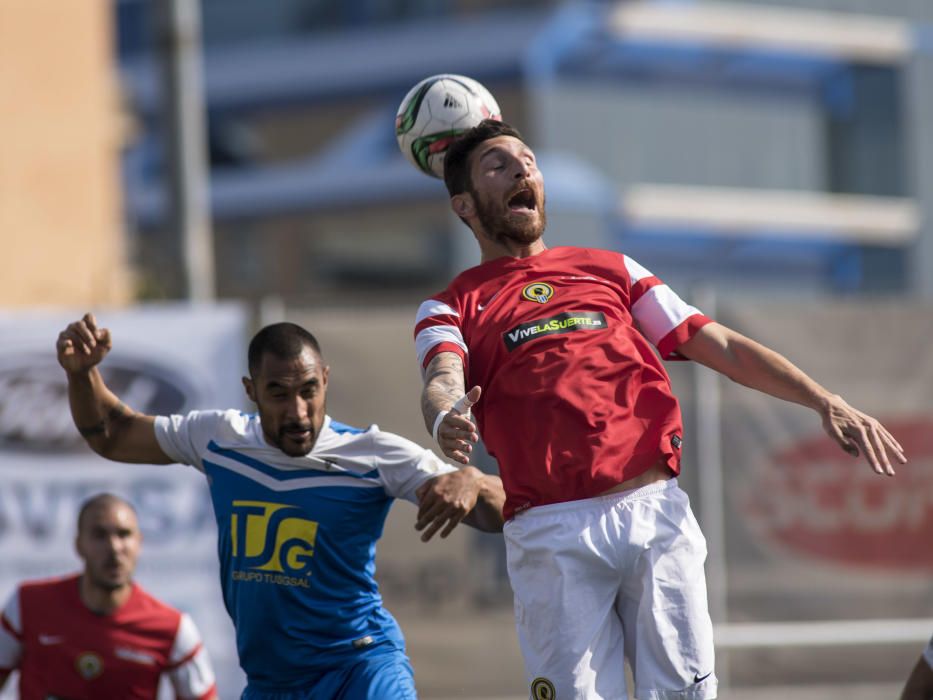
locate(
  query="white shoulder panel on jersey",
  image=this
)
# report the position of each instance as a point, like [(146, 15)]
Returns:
[(659, 311), (183, 438), (635, 271), (432, 335), (433, 307)]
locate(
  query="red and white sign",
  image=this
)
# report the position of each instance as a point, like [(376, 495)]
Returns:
[(814, 499)]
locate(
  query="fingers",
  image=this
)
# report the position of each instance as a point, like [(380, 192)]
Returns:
[(456, 427), (434, 516), (860, 434), (891, 442), (863, 434), (82, 336), (443, 503), (64, 345), (452, 518), (456, 436), (82, 344)]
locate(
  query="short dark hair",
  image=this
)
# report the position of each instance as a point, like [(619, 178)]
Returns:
[(284, 340), (457, 160), (101, 499)]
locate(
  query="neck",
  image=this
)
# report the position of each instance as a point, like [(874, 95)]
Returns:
[(491, 250), (103, 600)]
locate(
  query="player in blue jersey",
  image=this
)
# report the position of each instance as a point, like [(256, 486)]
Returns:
[(300, 501)]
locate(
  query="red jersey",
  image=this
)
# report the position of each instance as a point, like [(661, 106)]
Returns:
[(575, 400), (63, 650)]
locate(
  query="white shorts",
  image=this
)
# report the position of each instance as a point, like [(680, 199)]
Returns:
[(604, 578)]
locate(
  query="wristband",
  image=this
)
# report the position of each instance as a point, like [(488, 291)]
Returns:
[(437, 423)]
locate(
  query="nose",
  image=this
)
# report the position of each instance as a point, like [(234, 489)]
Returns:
[(297, 410), (520, 169)]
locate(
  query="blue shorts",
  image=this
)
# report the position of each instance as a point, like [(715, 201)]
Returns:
[(386, 676)]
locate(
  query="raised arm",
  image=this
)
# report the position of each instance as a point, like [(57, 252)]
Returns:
[(112, 429), (749, 363), (444, 385)]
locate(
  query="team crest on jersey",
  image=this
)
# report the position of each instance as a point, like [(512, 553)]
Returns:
[(89, 665), (271, 542), (540, 292), (543, 689)]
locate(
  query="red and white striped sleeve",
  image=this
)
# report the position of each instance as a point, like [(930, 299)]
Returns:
[(11, 634), (189, 666), (663, 317), (437, 329)]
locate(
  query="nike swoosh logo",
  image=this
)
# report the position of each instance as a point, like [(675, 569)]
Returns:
[(50, 639), (480, 307), (697, 678)]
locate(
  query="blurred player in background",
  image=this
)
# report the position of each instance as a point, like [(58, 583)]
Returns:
[(98, 634), (300, 502), (920, 683), (605, 557)]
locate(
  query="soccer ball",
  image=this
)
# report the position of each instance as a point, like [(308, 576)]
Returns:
[(435, 112)]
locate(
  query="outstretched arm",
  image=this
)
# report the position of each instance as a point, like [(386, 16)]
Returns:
[(465, 495), (753, 365), (444, 386), (112, 429)]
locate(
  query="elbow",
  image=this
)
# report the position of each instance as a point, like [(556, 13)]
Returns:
[(103, 444), (102, 447)]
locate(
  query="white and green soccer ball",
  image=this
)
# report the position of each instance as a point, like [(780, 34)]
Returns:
[(435, 112)]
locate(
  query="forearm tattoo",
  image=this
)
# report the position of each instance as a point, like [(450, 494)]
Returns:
[(443, 384), (120, 412)]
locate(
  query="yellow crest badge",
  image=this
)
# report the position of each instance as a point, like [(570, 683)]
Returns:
[(540, 292), (543, 689)]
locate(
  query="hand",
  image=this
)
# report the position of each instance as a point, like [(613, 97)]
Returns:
[(857, 432), (82, 345), (447, 498), (456, 433)]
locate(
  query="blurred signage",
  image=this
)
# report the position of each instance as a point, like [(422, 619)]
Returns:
[(814, 499), (34, 411), (165, 359)]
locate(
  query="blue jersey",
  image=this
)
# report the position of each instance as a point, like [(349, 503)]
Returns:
[(297, 537)]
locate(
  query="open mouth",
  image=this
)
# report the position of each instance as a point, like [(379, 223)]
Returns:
[(522, 200)]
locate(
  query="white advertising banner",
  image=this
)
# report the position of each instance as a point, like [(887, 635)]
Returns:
[(813, 533), (165, 359)]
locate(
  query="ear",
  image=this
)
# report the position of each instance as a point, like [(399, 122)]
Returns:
[(463, 205), (325, 375), (78, 547), (250, 389)]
